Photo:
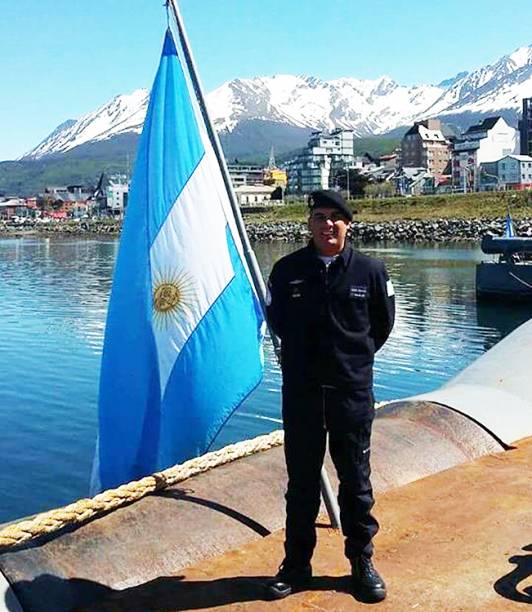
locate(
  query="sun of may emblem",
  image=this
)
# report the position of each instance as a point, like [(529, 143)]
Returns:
[(173, 298)]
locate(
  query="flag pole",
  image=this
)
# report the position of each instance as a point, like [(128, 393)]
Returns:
[(251, 260), (330, 501)]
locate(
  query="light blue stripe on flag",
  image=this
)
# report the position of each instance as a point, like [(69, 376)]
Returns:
[(183, 336), (187, 433), (174, 144)]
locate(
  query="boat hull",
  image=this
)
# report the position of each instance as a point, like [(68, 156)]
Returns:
[(504, 281)]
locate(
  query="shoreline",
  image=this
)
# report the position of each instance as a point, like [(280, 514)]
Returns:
[(402, 230)]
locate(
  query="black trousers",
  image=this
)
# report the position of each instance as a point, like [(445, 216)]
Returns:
[(347, 417)]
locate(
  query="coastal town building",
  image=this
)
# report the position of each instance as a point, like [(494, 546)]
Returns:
[(273, 175), (378, 174), (364, 161), (110, 197), (13, 207), (255, 195), (63, 202), (488, 177), (245, 174), (425, 146), (117, 194), (323, 158), (414, 181), (525, 128), (31, 202), (69, 193), (98, 200), (388, 161), (515, 172), (488, 141)]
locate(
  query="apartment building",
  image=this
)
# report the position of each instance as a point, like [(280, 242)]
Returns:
[(117, 194), (245, 174), (515, 171), (488, 141), (110, 198), (324, 156), (425, 146), (525, 128)]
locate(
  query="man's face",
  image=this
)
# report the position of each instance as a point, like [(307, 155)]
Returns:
[(328, 228)]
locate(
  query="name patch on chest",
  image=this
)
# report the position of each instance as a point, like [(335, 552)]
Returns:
[(359, 292), (295, 288)]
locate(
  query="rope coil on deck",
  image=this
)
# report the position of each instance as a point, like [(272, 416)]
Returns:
[(85, 509)]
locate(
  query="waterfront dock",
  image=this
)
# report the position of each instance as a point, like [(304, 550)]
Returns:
[(451, 471), (457, 540)]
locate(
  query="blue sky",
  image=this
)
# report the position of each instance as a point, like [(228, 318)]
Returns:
[(64, 58)]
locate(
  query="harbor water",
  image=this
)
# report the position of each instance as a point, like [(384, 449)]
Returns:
[(53, 299)]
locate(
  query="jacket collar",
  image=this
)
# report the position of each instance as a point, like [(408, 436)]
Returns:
[(344, 256)]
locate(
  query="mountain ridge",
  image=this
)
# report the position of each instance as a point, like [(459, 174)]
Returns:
[(302, 103)]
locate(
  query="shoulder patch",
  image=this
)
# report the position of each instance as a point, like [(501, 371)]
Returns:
[(268, 296), (389, 288)]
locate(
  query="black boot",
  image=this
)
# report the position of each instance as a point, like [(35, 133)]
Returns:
[(288, 578), (367, 584)]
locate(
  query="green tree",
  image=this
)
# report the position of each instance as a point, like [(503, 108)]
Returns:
[(357, 181), (45, 202), (380, 190)]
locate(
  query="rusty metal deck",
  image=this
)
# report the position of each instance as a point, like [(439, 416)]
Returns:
[(221, 510), (458, 540)]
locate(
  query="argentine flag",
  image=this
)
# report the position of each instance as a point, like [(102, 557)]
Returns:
[(184, 327)]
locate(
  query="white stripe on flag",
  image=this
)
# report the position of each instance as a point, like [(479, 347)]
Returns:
[(219, 188), (197, 260)]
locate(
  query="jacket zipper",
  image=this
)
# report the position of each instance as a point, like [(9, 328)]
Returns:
[(325, 387)]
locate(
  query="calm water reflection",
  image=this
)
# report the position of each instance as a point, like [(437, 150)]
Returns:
[(53, 298)]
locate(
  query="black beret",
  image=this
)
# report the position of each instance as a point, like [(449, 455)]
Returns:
[(326, 198)]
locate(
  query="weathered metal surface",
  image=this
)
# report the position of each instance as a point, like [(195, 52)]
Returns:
[(495, 390), (156, 536), (243, 501), (456, 541), (504, 281), (219, 511), (412, 440)]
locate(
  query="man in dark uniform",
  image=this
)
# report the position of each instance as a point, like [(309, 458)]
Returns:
[(332, 308)]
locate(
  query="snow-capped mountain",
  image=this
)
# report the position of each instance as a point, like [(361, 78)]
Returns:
[(121, 115), (367, 106), (496, 87), (301, 103)]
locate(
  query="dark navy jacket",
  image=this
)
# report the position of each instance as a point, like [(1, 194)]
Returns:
[(330, 321)]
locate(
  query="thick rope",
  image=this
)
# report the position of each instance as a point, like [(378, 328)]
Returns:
[(86, 509)]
